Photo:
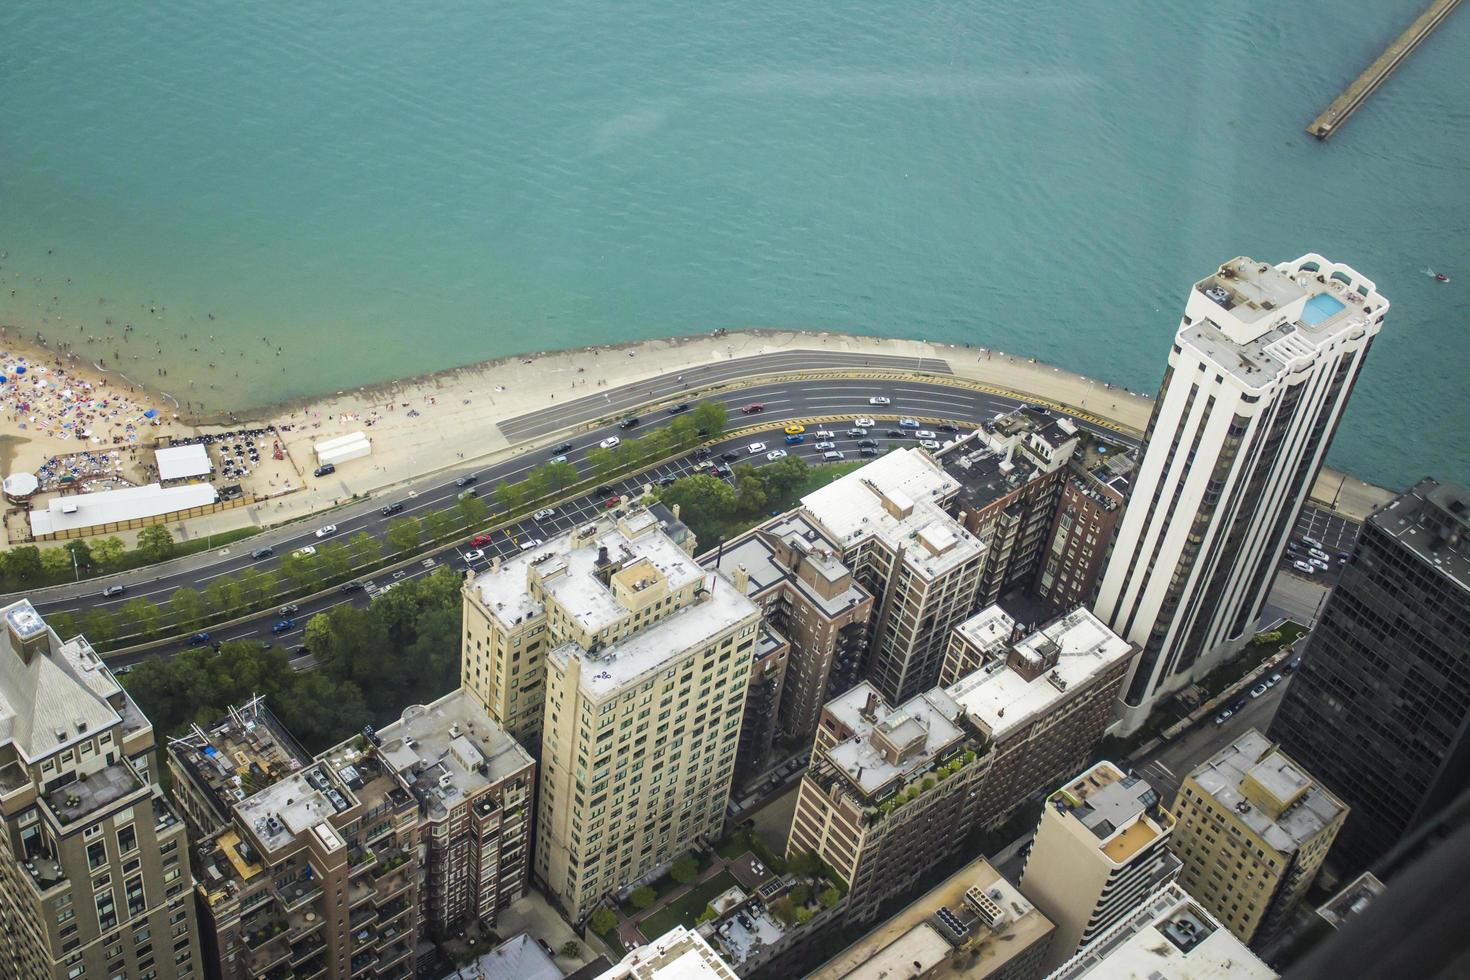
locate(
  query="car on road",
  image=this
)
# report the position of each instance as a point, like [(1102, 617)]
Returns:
[(880, 400), (896, 434), (908, 424), (198, 639), (930, 444), (1306, 568), (1258, 690), (326, 531), (479, 540), (856, 433), (927, 434), (466, 480), (544, 513), (604, 491), (755, 448), (122, 669), (795, 430), (1223, 716), (475, 555), (832, 456), (611, 442), (868, 443), (776, 454), (825, 445), (352, 586), (558, 459), (288, 610), (752, 408), (864, 423), (1237, 704), (703, 452), (794, 439), (676, 409), (730, 456), (530, 543), (305, 552), (946, 427), (826, 434), (113, 590), (326, 469), (867, 451), (630, 422), (391, 509), (668, 480), (561, 448), (282, 625), (719, 471), (260, 553), (1273, 680)]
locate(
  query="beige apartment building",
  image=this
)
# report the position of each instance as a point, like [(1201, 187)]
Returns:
[(891, 791), (638, 660), (94, 863), (1100, 850), (342, 865), (1252, 828), (891, 526)]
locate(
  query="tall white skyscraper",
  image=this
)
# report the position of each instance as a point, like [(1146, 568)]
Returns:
[(1261, 370)]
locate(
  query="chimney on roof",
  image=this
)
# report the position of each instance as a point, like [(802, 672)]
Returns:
[(742, 578), (870, 707), (675, 511)]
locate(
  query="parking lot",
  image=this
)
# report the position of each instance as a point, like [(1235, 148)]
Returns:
[(1336, 534)]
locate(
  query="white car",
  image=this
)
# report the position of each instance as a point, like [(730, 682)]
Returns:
[(926, 434), (775, 454), (1304, 567), (864, 423), (824, 434), (930, 444), (756, 448), (326, 532), (879, 400), (530, 543), (825, 445), (1311, 542), (1319, 554), (544, 513), (611, 442), (1258, 690), (306, 552), (475, 555), (557, 459)]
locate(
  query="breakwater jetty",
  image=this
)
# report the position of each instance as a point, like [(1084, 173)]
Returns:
[(1352, 97)]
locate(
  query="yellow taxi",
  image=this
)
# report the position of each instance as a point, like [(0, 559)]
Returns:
[(795, 430)]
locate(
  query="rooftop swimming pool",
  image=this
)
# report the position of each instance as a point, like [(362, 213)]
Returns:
[(1321, 307)]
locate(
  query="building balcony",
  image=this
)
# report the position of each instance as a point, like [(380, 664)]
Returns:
[(392, 955), (304, 922), (164, 816), (80, 798), (359, 859), (265, 930), (389, 862), (363, 961), (359, 891), (313, 969), (387, 913), (390, 887), (273, 952), (362, 915), (44, 873), (307, 948), (298, 894)]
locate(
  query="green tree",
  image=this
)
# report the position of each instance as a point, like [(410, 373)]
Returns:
[(143, 614), (803, 864), (473, 511), (603, 920), (829, 897), (707, 915), (784, 476), (155, 543), (604, 462), (536, 485), (335, 561), (571, 949), (702, 499), (711, 417), (257, 587), (108, 552), (23, 563), (684, 432), (801, 894), (223, 596), (99, 627), (188, 607), (803, 915), (655, 445), (302, 572), (559, 476), (56, 562), (438, 525), (404, 534), (81, 553), (750, 490), (67, 624), (363, 549), (684, 869), (643, 897), (783, 910), (509, 496)]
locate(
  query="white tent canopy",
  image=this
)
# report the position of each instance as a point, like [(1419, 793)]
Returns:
[(182, 462), (82, 510)]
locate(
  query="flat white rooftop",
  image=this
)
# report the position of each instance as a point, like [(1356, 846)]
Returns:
[(1170, 936), (926, 721), (182, 462), (1252, 755), (998, 699), (899, 499), (81, 510), (679, 954)]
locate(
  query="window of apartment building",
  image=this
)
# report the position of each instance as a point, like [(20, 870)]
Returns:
[(127, 839), (106, 910), (137, 900), (96, 854)]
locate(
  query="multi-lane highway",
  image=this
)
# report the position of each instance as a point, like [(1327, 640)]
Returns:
[(840, 399)]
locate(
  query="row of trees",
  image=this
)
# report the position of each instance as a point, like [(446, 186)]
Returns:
[(402, 649), (27, 565), (715, 510)]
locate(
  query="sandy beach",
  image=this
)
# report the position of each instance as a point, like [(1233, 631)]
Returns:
[(448, 420)]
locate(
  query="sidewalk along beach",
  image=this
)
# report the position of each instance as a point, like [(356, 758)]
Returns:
[(449, 420)]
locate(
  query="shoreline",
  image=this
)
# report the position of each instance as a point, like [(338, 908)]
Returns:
[(450, 418)]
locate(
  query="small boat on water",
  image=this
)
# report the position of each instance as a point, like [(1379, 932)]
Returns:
[(1441, 277)]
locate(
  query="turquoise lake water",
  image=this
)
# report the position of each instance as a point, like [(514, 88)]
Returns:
[(378, 189)]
